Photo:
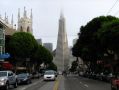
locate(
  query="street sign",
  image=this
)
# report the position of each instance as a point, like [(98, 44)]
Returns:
[(3, 56)]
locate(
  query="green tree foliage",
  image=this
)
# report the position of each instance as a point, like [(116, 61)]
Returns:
[(42, 55), (74, 66), (48, 57), (109, 36), (88, 45), (52, 66), (22, 45)]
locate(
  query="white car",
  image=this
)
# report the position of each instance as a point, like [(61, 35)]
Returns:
[(49, 75), (7, 78)]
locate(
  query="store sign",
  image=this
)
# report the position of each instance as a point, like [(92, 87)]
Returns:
[(3, 56)]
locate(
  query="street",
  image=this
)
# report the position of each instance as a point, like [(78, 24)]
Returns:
[(70, 82), (40, 84), (80, 83)]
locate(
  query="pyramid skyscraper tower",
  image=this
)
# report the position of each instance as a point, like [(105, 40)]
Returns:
[(62, 50)]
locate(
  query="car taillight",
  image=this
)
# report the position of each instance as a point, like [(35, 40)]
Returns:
[(117, 82)]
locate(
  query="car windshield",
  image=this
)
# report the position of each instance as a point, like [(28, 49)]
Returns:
[(22, 75), (3, 74), (49, 72)]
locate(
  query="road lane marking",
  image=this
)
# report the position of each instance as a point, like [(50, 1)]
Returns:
[(56, 85), (80, 82), (30, 85), (85, 85)]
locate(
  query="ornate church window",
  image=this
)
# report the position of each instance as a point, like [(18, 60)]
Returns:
[(21, 29), (28, 29)]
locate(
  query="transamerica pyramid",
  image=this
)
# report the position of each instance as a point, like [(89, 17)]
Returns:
[(62, 50)]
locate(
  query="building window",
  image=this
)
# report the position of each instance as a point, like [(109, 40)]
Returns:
[(21, 29), (28, 29)]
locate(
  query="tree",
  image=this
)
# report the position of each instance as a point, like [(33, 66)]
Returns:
[(42, 55), (22, 46), (48, 57), (88, 45), (52, 66), (37, 58), (74, 66), (109, 37), (75, 50)]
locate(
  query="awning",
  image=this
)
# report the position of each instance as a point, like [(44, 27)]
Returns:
[(7, 65), (107, 65), (3, 56)]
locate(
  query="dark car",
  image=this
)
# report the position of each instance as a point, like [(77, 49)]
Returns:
[(24, 78), (115, 83), (36, 75), (109, 77)]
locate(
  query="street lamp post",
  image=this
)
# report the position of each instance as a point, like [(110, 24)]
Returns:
[(0, 50), (2, 42)]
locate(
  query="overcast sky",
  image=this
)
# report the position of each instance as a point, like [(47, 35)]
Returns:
[(46, 15)]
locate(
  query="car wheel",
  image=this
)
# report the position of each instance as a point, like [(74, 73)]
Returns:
[(117, 88), (28, 82), (6, 86), (15, 85), (112, 88)]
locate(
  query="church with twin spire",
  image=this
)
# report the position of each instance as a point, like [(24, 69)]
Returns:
[(25, 23)]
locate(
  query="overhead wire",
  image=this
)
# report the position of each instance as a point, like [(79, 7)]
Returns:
[(116, 13), (70, 35), (112, 7)]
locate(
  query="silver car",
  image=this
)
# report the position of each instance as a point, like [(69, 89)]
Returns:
[(49, 75), (7, 78)]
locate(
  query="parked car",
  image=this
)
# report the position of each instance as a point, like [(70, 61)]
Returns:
[(36, 75), (24, 78), (81, 73), (49, 75), (56, 73), (115, 84), (109, 77), (42, 71), (7, 78), (60, 73), (103, 76)]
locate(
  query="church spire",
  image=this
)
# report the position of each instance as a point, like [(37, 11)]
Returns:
[(7, 20), (12, 20), (25, 12), (18, 14), (5, 16), (31, 15)]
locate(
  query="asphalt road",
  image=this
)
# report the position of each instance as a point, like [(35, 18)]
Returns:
[(74, 82), (40, 84), (70, 82)]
